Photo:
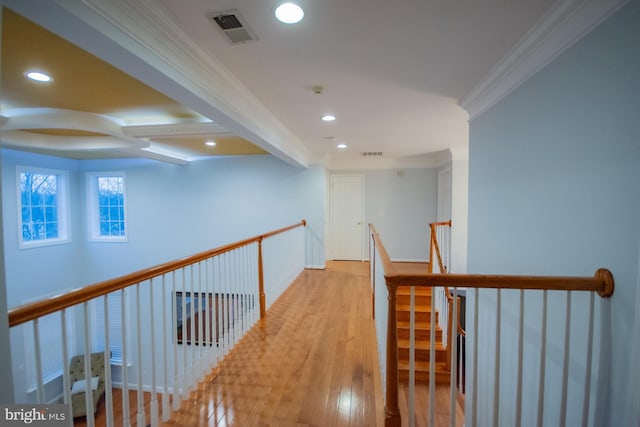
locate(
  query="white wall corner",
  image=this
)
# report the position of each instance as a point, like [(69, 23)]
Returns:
[(459, 153), (566, 22)]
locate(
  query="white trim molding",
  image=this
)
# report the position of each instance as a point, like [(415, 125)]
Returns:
[(566, 22)]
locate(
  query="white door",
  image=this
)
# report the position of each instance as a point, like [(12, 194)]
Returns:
[(347, 225)]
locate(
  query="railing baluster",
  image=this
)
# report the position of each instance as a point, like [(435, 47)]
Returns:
[(199, 333), (233, 270), (496, 374), (218, 303), (38, 359), (245, 288), (255, 283), (518, 414), (543, 350), (193, 377), (474, 378), (125, 363), (108, 386), (166, 408), (141, 416), (207, 316), (87, 368), (66, 386), (177, 396), (587, 376), (454, 351), (153, 409), (225, 302), (183, 329), (565, 364)]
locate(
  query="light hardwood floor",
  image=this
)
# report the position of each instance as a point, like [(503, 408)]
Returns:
[(311, 362)]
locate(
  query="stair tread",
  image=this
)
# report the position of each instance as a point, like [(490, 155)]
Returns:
[(418, 308), (418, 291), (420, 344), (401, 324)]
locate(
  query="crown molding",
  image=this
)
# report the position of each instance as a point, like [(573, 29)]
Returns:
[(147, 29), (566, 22)]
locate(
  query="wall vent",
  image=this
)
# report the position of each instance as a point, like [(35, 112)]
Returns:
[(371, 153), (233, 25)]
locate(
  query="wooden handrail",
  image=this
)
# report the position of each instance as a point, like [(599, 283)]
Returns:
[(34, 310), (602, 282)]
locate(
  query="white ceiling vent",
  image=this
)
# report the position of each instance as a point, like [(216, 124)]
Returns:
[(371, 153), (233, 26)]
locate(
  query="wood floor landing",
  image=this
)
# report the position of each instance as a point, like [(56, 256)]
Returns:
[(311, 362)]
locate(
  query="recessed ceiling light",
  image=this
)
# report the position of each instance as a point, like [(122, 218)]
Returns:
[(289, 13), (210, 143), (342, 146), (328, 118), (38, 76)]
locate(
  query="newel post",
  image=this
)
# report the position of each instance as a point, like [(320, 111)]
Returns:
[(391, 409), (432, 237), (263, 300)]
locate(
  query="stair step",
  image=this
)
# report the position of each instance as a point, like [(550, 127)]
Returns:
[(443, 375), (422, 351), (422, 331), (406, 290), (419, 300), (422, 314)]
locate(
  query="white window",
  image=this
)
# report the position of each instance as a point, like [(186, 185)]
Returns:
[(114, 307), (42, 206), (106, 204)]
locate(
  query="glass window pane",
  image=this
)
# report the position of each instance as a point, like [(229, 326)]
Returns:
[(51, 230), (39, 208)]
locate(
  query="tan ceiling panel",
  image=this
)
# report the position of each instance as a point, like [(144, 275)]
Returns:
[(85, 83), (225, 145), (81, 81)]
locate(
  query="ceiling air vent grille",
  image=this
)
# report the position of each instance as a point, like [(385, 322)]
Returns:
[(371, 153), (233, 25)]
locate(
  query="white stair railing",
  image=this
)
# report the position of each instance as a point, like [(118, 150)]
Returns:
[(498, 324), (200, 305)]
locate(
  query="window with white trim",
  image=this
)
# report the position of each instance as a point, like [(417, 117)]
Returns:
[(42, 206), (106, 204)]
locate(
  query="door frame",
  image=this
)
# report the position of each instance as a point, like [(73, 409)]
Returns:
[(363, 256)]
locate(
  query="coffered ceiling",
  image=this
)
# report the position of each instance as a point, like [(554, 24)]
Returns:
[(58, 117), (157, 77)]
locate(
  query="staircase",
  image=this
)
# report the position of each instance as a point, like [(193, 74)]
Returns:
[(422, 338)]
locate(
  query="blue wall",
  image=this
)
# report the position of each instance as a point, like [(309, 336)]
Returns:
[(173, 211), (400, 203), (554, 175)]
